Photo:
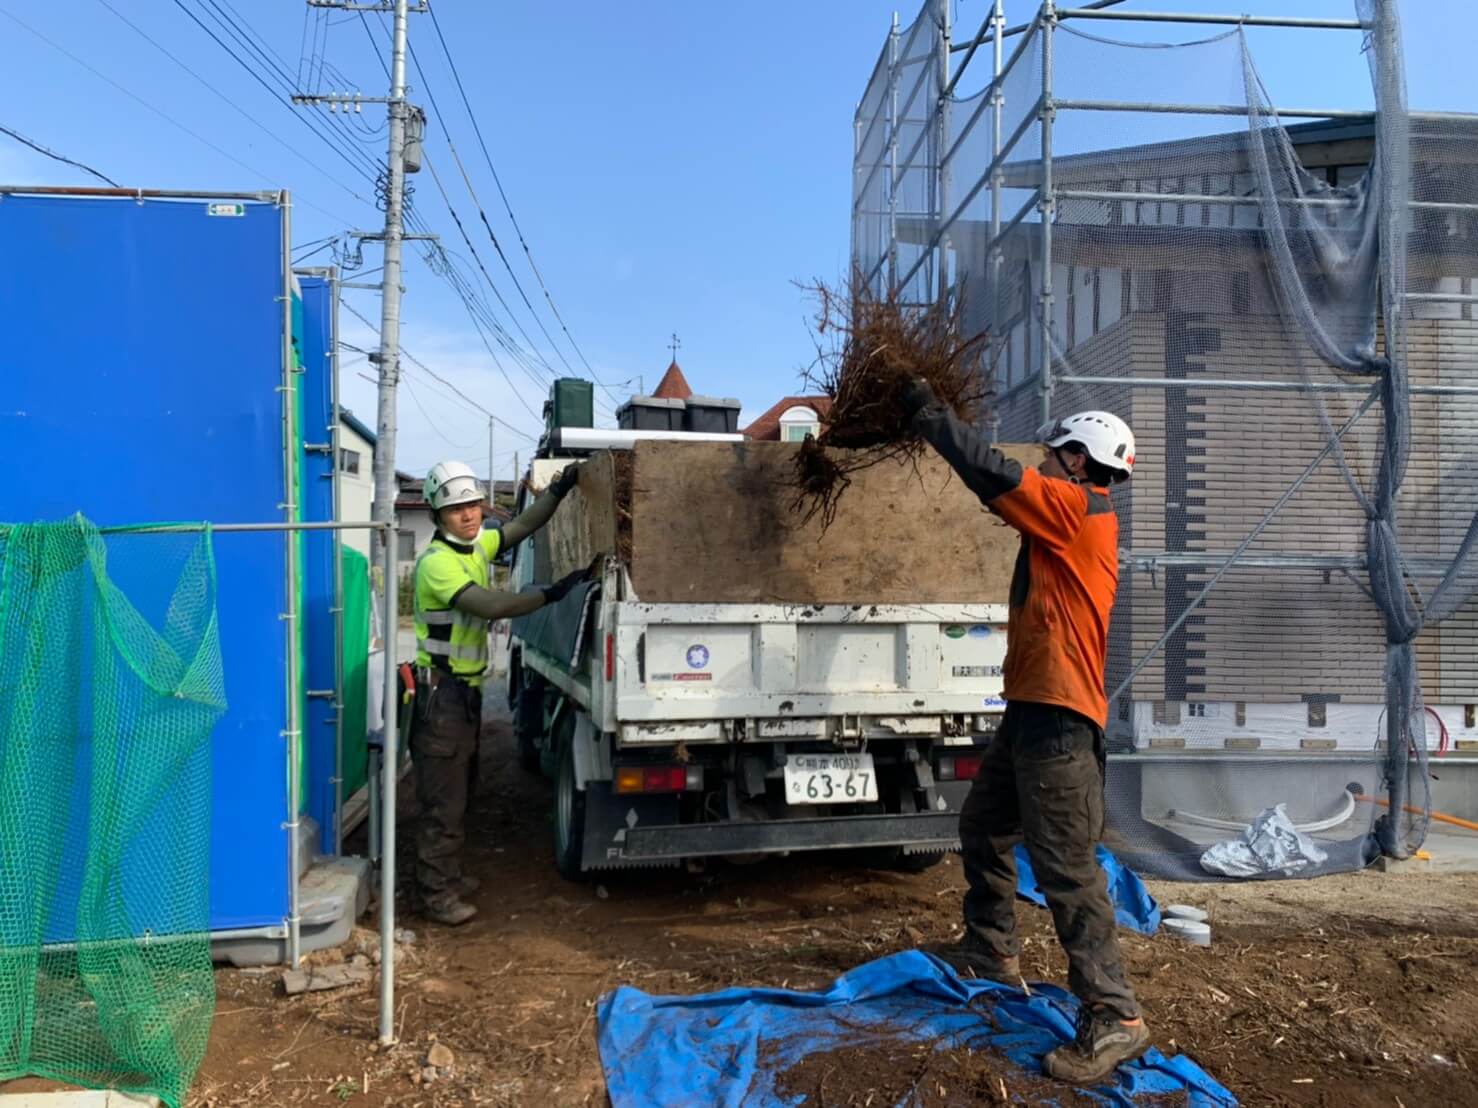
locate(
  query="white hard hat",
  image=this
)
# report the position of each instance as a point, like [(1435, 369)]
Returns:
[(451, 483), (1104, 437)]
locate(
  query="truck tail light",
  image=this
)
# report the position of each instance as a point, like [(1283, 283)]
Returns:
[(658, 779), (959, 767), (610, 657)]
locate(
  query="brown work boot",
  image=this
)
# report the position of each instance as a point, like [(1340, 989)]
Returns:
[(449, 913), (973, 957), (1102, 1043)]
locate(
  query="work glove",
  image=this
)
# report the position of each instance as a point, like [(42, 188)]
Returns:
[(556, 592), (917, 395), (568, 478)]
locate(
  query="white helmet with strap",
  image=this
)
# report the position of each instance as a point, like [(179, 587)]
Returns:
[(451, 483), (1104, 437)]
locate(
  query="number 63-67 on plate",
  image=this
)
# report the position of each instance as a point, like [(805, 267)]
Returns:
[(830, 779)]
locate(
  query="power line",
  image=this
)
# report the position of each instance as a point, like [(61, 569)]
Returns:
[(241, 32), (36, 146), (404, 353), (466, 103), (131, 95), (238, 109)]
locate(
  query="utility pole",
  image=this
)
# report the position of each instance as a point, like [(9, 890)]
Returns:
[(492, 466), (401, 116)]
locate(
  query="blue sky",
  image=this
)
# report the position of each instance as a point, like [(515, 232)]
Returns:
[(673, 166)]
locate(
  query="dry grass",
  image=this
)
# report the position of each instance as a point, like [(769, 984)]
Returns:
[(867, 351)]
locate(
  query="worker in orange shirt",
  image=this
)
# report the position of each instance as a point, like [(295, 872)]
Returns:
[(1041, 777)]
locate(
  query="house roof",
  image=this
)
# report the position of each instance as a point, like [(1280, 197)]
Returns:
[(673, 386), (352, 421), (767, 426)]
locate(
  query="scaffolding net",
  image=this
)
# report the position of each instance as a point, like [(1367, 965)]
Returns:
[(1282, 305), (110, 685)]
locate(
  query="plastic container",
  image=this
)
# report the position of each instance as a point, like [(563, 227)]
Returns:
[(1191, 931), (1184, 911), (650, 413), (571, 403), (712, 415)]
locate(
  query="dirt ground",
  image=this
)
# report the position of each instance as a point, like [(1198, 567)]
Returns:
[(1344, 991)]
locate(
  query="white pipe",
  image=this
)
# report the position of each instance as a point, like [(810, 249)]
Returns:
[(1241, 825)]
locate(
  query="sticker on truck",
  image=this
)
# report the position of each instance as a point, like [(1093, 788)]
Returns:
[(697, 656), (682, 677), (976, 671)]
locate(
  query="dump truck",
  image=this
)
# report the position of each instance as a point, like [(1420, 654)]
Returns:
[(738, 679)]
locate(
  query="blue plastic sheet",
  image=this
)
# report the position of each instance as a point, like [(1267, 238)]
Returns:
[(1134, 907), (729, 1049)]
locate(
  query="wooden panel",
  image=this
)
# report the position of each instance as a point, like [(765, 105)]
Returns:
[(585, 524), (714, 522)]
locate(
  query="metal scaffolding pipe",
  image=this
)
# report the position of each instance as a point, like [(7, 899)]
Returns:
[(1250, 201), (1025, 125), (991, 171), (294, 732), (1008, 32), (1048, 205), (1259, 386), (266, 197), (337, 494), (1152, 106), (1225, 20)]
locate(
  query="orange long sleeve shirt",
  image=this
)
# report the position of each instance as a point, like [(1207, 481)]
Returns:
[(1067, 571)]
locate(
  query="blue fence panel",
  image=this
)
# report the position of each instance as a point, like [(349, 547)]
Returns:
[(141, 367)]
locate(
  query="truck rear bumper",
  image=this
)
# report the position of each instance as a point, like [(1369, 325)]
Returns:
[(919, 831)]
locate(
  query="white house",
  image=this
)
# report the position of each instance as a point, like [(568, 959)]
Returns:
[(356, 477)]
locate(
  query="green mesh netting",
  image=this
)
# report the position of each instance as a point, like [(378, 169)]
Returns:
[(355, 694), (110, 686)]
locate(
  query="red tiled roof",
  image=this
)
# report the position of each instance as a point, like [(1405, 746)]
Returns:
[(767, 427), (673, 386)]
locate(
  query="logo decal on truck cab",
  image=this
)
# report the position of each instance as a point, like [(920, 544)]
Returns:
[(697, 656)]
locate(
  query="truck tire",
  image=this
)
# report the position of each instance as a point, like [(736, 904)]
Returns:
[(917, 863), (569, 816)]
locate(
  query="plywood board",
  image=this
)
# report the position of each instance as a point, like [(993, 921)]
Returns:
[(585, 524), (716, 523)]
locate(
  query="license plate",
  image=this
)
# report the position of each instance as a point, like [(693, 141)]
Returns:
[(830, 779)]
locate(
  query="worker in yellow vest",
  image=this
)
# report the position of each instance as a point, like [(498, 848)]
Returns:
[(454, 609)]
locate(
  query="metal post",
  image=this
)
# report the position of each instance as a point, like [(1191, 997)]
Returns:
[(337, 494), (993, 263), (1047, 205), (492, 467), (941, 168), (385, 506), (893, 157), (293, 734)]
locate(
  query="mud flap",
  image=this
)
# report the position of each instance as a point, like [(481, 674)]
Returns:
[(608, 819)]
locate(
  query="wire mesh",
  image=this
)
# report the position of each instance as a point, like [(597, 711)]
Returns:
[(111, 667)]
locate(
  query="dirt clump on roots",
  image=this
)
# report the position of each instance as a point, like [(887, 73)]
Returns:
[(868, 349)]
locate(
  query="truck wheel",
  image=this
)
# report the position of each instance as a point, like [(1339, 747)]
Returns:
[(569, 816), (917, 863)]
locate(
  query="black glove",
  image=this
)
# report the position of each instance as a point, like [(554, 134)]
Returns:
[(568, 478), (557, 591), (917, 395)]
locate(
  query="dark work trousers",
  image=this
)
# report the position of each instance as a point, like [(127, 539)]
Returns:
[(1041, 782), (444, 741)]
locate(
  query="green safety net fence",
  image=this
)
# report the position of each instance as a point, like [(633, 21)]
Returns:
[(110, 686), (355, 694)]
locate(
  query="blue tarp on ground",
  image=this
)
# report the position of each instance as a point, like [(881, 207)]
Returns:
[(1134, 907), (671, 1051)]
